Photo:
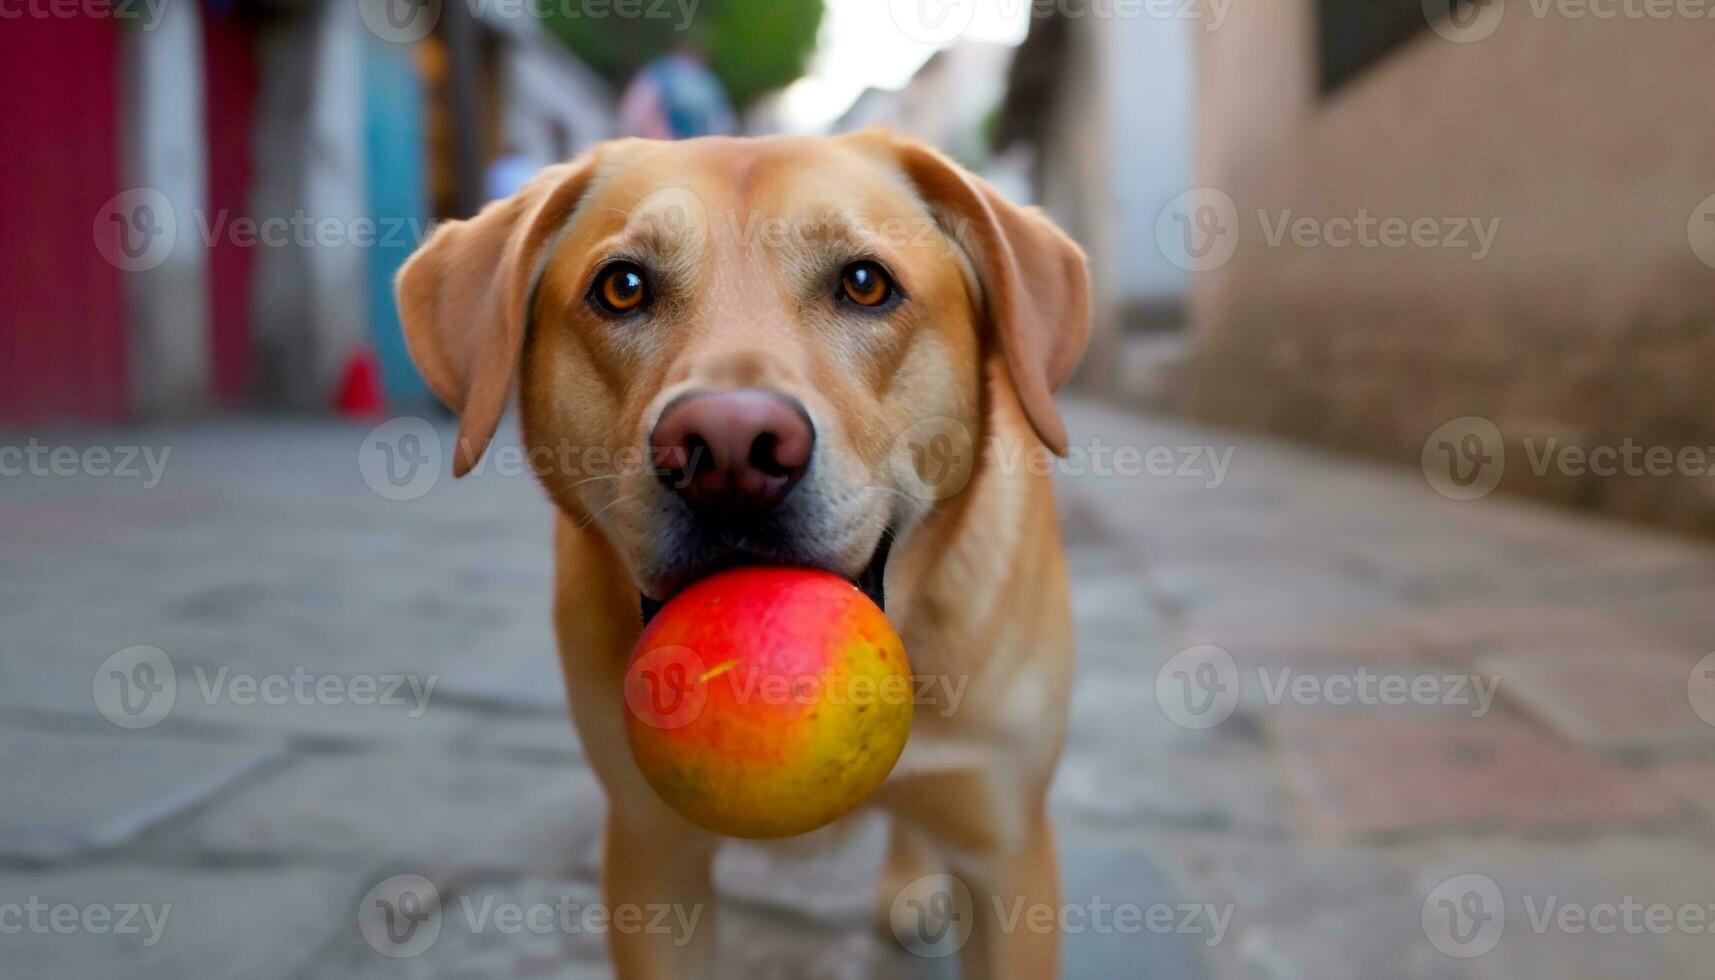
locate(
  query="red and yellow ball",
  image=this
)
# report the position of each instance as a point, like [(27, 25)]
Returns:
[(767, 702)]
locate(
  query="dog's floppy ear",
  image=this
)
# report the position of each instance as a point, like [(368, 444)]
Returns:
[(1036, 285), (464, 300)]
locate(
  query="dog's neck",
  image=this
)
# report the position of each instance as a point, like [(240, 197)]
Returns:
[(946, 578)]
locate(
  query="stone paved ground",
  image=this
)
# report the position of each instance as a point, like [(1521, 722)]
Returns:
[(1343, 727)]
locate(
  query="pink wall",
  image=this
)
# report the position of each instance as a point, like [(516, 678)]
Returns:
[(62, 335)]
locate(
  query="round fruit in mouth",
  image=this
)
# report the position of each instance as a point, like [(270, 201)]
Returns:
[(767, 702)]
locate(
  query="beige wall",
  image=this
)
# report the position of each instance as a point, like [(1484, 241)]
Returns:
[(1592, 319)]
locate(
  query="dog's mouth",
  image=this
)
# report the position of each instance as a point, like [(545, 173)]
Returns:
[(870, 581)]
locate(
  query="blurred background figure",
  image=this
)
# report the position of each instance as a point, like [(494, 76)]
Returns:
[(676, 97)]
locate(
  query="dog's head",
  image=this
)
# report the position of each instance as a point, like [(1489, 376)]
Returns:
[(720, 343)]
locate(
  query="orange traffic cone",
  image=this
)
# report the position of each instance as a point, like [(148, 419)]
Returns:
[(360, 394)]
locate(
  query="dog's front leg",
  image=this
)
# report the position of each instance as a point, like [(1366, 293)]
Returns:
[(661, 866), (1015, 924)]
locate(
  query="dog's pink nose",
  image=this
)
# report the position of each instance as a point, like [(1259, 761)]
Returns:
[(733, 452)]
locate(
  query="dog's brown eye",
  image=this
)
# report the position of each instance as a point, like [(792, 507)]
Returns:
[(866, 284), (621, 288)]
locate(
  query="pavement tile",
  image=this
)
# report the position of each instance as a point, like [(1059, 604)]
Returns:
[(518, 671), (124, 783), (525, 927), (1617, 701), (757, 944), (1367, 776), (1484, 627), (1679, 616), (1563, 908), (828, 876), (542, 739), (1275, 881), (1695, 781), (1387, 690), (260, 924), (1307, 641), (1118, 712), (1233, 789), (1291, 899), (421, 810), (1097, 882), (229, 697), (1355, 942)]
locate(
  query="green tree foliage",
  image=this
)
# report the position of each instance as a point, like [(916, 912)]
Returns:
[(753, 46)]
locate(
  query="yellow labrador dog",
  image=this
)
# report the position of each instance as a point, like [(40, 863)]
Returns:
[(794, 341)]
